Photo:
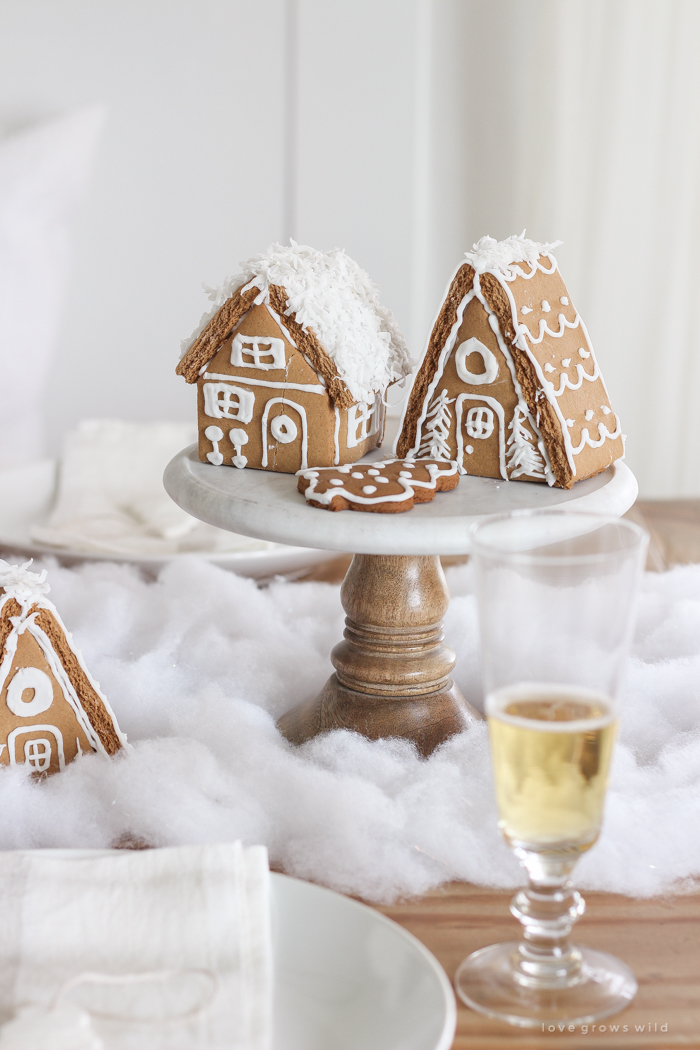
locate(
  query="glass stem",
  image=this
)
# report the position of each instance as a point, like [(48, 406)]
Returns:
[(548, 909)]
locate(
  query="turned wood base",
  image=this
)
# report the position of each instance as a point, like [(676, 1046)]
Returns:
[(392, 669)]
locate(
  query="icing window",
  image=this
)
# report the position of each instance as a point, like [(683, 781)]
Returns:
[(363, 421), (480, 422), (465, 350), (37, 754), (257, 351), (225, 401)]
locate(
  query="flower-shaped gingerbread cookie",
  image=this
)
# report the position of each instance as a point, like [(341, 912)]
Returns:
[(387, 487)]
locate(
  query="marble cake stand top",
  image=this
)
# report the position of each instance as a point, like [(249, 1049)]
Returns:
[(267, 505)]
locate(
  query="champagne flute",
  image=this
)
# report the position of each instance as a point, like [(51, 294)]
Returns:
[(555, 594)]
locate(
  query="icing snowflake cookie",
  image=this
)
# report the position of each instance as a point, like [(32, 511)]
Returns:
[(387, 487)]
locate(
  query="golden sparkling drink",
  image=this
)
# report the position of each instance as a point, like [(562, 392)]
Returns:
[(551, 749)]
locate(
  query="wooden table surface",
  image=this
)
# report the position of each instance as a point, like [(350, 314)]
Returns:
[(659, 939)]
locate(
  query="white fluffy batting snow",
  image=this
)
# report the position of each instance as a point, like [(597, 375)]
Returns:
[(329, 293), (198, 665), (501, 256)]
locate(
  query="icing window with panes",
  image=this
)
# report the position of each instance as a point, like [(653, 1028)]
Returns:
[(226, 401), (257, 351), (363, 421)]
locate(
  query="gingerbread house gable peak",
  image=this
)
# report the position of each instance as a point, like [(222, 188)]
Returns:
[(504, 258), (328, 298), (18, 582)]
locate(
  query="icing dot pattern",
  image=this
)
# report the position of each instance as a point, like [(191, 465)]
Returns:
[(388, 487)]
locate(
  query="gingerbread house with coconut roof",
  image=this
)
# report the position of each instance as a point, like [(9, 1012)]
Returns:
[(509, 385), (51, 709), (292, 363)]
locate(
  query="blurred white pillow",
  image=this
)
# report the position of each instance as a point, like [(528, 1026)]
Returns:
[(43, 175)]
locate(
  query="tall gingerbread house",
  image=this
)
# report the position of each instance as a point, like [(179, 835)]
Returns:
[(292, 363), (509, 385), (51, 709)]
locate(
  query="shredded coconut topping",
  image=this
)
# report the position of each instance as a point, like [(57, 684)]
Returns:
[(490, 254), (329, 293), (17, 581)]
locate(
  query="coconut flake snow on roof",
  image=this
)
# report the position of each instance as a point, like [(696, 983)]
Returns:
[(18, 582), (501, 256), (329, 293)]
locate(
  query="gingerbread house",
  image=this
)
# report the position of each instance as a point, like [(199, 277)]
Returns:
[(292, 363), (51, 710), (509, 385)]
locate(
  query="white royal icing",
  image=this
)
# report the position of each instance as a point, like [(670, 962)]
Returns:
[(215, 435), (466, 349), (238, 438), (36, 681), (227, 401), (304, 427), (257, 351), (408, 485), (437, 428)]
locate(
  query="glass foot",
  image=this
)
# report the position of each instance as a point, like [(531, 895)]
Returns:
[(486, 982)]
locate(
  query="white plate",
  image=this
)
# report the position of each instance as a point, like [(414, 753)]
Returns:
[(348, 978), (27, 495)]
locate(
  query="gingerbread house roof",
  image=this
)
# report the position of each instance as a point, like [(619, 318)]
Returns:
[(24, 606), (331, 309)]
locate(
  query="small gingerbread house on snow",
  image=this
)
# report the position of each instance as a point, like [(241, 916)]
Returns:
[(51, 710), (509, 385), (293, 362)]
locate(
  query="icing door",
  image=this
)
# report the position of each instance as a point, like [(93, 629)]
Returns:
[(481, 436), (285, 435)]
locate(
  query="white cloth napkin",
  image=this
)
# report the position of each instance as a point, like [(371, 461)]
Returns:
[(196, 919), (111, 498)]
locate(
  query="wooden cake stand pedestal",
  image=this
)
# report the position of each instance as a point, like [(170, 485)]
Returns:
[(392, 675)]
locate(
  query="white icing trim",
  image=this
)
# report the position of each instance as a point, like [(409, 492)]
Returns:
[(218, 403), (363, 422), (437, 427), (442, 360), (29, 678), (311, 387), (466, 349), (566, 383), (238, 438), (408, 485), (304, 428), (544, 328), (278, 320), (59, 672), (522, 456), (22, 730), (283, 429), (275, 350), (498, 408), (586, 439), (336, 437), (215, 435)]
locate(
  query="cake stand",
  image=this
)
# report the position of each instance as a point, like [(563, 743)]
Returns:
[(392, 675)]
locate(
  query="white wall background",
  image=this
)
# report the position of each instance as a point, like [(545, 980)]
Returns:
[(401, 130)]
